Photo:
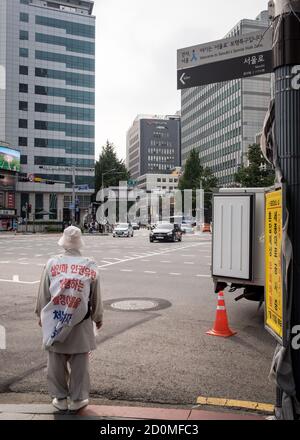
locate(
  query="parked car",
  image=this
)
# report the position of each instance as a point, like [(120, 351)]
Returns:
[(135, 226), (166, 232), (123, 230)]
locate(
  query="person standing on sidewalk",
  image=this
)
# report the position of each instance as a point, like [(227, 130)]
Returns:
[(69, 301)]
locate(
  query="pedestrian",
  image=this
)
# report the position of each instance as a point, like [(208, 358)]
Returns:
[(69, 301)]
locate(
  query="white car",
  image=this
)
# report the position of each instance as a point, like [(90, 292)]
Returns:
[(123, 230), (187, 228)]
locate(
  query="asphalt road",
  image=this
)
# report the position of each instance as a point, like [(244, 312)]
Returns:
[(159, 302)]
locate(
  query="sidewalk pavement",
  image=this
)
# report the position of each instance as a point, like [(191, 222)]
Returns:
[(107, 412)]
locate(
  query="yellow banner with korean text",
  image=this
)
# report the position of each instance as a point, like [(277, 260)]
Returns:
[(273, 259)]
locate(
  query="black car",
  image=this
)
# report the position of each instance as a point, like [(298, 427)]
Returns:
[(166, 232)]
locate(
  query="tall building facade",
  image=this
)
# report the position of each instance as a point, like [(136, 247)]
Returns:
[(153, 145), (221, 120), (47, 98)]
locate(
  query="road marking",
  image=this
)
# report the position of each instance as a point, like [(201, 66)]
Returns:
[(149, 271), (188, 255), (106, 262), (188, 262), (4, 262), (127, 258), (126, 270), (166, 261), (204, 276), (145, 261), (230, 403), (174, 273), (38, 255), (16, 278)]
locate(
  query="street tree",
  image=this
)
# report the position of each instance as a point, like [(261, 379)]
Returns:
[(196, 176), (108, 161), (259, 173)]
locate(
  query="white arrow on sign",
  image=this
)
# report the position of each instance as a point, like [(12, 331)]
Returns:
[(182, 79)]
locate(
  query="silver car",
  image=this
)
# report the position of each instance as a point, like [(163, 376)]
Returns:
[(123, 230)]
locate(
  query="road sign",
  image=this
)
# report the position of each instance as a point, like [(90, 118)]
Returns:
[(82, 187), (241, 56), (131, 182), (274, 303)]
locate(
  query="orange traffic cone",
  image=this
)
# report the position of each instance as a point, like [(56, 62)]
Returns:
[(221, 327)]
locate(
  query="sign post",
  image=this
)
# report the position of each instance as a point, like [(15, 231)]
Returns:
[(241, 56), (286, 56)]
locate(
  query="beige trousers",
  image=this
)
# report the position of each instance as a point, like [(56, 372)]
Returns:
[(68, 375)]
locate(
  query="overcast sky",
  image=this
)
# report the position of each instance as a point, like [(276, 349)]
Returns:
[(136, 48)]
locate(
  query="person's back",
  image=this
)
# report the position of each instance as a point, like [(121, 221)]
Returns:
[(69, 301)]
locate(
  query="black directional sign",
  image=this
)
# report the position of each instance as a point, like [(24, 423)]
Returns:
[(224, 60)]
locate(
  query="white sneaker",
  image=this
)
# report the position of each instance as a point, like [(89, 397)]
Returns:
[(75, 405), (61, 404)]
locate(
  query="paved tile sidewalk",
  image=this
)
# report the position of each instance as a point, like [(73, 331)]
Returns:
[(107, 412)]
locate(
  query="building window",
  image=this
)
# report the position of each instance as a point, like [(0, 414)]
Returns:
[(69, 61), (82, 30), (23, 35), (23, 52), (23, 70), (23, 88), (39, 107), (159, 180), (23, 105), (23, 159), (23, 141), (24, 17), (23, 123), (40, 125), (41, 90), (70, 44)]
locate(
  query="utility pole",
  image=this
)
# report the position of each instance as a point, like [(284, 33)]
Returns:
[(286, 64)]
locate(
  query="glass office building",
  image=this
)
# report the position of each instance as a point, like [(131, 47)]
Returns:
[(221, 120), (153, 145), (47, 98)]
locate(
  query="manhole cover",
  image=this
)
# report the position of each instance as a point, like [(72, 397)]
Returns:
[(134, 305), (137, 304)]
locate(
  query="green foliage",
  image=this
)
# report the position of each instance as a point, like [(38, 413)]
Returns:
[(196, 177), (259, 173), (108, 160)]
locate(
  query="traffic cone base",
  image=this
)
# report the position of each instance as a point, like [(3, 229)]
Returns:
[(225, 334), (221, 327)]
